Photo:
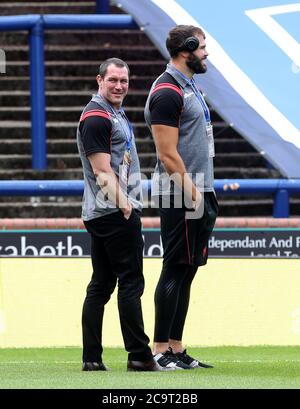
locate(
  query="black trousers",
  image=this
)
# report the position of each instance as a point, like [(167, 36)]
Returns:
[(117, 255)]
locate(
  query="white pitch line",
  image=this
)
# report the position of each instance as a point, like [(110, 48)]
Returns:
[(39, 362), (234, 361)]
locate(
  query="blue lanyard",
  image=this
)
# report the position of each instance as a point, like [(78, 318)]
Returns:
[(201, 99), (128, 140), (197, 93)]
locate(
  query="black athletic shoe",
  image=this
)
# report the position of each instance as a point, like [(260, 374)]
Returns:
[(94, 366), (170, 361), (191, 362)]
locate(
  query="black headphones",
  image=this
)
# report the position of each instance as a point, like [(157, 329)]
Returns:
[(190, 44)]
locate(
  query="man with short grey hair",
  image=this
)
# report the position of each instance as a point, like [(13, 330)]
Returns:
[(111, 208)]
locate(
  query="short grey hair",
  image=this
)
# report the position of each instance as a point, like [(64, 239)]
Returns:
[(115, 61)]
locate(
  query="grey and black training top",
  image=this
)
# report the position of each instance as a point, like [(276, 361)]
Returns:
[(173, 102), (103, 129)]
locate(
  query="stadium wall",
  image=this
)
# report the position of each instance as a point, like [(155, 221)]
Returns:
[(233, 302)]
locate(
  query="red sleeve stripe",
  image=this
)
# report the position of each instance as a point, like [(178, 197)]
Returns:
[(95, 112), (167, 85)]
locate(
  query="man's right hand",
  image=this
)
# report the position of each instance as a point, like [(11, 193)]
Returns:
[(198, 200), (127, 211), (197, 206)]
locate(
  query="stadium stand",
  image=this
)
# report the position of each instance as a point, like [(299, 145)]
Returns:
[(72, 58)]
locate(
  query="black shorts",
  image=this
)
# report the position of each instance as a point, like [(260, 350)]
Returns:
[(185, 241)]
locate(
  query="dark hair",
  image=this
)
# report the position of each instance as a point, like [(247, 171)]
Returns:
[(178, 35), (115, 61)]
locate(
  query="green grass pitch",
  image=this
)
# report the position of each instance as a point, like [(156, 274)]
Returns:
[(234, 368)]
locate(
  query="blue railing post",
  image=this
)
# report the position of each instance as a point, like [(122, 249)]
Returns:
[(102, 6), (37, 88), (281, 207)]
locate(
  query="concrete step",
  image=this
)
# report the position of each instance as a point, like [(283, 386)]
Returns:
[(45, 210), (67, 98), (52, 174), (55, 161), (31, 200), (245, 160), (252, 206), (76, 37), (63, 113), (55, 130), (147, 159), (85, 68), (72, 113), (71, 207), (145, 146), (23, 146), (47, 7), (88, 52), (67, 130), (49, 174), (240, 172), (233, 145), (26, 173), (11, 83)]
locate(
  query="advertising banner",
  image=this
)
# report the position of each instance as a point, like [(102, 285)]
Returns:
[(224, 243)]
